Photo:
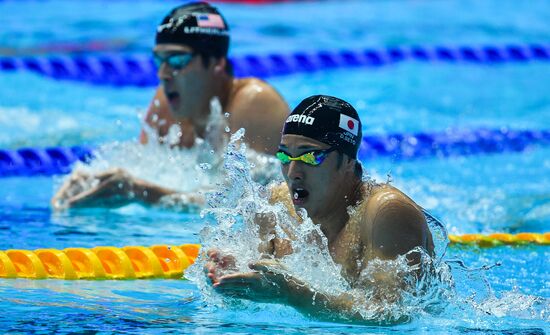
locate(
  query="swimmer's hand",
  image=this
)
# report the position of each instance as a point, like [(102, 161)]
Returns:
[(113, 187), (269, 282), (218, 265), (271, 243)]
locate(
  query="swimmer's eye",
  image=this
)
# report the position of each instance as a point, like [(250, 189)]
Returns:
[(283, 157), (314, 157), (175, 61)]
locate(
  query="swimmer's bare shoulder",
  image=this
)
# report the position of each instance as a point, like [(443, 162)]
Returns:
[(260, 109), (393, 224)]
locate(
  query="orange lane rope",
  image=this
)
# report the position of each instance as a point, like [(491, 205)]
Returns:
[(163, 261), (497, 239), (133, 262)]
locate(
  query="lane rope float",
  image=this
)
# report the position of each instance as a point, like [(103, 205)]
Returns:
[(131, 262), (58, 160), (41, 161), (139, 70), (162, 261)]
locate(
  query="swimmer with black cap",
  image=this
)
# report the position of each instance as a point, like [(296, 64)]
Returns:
[(190, 53), (191, 49), (318, 154)]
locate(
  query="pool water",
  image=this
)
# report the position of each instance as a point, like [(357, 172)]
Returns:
[(506, 192)]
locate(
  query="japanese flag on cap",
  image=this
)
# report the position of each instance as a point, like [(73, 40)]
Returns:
[(349, 124)]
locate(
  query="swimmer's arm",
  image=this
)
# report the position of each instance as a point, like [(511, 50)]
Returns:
[(341, 308), (268, 284), (271, 244), (321, 306), (398, 227), (259, 109), (114, 187), (150, 193)]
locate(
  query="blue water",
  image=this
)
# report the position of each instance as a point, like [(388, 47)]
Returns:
[(476, 194)]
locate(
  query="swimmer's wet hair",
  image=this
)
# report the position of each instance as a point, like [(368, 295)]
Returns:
[(199, 26)]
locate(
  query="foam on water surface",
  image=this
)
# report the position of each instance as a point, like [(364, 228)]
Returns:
[(439, 287)]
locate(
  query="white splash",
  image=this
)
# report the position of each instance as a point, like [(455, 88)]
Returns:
[(197, 169), (436, 288)]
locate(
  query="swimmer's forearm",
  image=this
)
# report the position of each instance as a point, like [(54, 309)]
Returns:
[(341, 308), (319, 305), (148, 192), (338, 308)]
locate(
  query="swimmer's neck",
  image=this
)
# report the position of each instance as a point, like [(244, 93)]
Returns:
[(333, 224)]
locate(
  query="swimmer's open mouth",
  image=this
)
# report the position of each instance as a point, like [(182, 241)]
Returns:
[(172, 96), (299, 195)]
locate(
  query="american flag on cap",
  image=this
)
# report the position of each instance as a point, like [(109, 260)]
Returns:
[(210, 21)]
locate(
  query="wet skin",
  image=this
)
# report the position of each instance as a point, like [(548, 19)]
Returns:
[(388, 224), (183, 99), (324, 185), (187, 90)]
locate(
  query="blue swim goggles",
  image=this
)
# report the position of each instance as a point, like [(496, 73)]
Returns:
[(176, 61), (313, 157)]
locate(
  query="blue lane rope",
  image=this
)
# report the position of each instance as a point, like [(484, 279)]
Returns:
[(139, 70), (50, 161), (41, 161), (452, 143)]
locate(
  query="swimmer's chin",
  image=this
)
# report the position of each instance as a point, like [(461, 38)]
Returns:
[(299, 203), (174, 105)]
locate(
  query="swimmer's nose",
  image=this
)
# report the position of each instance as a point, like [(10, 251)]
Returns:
[(164, 72), (295, 170)]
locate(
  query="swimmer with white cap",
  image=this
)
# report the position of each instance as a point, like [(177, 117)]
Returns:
[(318, 153), (190, 53)]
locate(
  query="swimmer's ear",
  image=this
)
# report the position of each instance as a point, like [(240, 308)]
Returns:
[(349, 163), (220, 65)]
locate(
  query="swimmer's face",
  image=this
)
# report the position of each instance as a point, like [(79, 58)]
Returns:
[(184, 82), (318, 189)]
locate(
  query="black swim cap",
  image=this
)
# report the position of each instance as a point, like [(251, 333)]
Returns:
[(198, 25), (329, 120)]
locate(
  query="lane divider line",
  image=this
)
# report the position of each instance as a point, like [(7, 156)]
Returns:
[(163, 261)]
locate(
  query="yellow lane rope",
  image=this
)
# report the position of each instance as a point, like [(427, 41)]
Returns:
[(501, 239), (133, 262), (162, 261)]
